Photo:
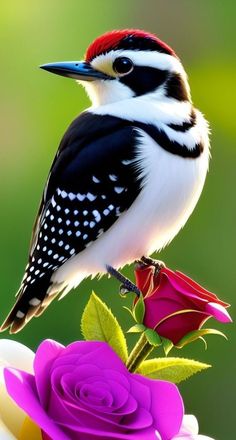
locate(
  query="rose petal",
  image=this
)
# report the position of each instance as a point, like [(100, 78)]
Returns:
[(193, 287), (218, 312), (176, 327), (101, 350), (167, 407), (21, 387), (201, 289), (144, 277), (46, 353)]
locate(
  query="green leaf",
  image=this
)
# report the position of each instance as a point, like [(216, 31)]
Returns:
[(152, 337), (137, 328), (139, 310), (129, 310), (99, 324), (171, 369), (196, 334), (167, 345)]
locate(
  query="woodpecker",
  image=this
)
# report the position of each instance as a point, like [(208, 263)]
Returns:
[(127, 174)]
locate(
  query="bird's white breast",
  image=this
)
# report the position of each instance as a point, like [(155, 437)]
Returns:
[(171, 188)]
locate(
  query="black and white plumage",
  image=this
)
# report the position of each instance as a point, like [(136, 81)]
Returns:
[(128, 173)]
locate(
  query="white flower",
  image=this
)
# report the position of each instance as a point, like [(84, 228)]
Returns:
[(189, 430), (12, 418)]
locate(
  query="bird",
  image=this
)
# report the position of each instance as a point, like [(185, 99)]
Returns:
[(128, 172)]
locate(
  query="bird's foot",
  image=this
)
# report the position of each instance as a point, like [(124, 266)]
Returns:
[(126, 285), (158, 264)]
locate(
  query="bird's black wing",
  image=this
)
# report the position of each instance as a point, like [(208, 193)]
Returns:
[(92, 181)]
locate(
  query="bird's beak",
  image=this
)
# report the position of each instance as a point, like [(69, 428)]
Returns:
[(79, 70)]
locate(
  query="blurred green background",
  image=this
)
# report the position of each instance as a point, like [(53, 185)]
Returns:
[(35, 110)]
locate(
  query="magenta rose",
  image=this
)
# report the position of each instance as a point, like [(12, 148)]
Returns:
[(176, 305), (85, 392)]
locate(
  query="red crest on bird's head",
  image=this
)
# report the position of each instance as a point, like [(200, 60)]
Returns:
[(134, 39)]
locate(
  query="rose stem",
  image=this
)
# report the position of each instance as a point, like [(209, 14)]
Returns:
[(139, 353)]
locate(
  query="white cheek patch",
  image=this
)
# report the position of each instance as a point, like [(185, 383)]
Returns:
[(106, 92)]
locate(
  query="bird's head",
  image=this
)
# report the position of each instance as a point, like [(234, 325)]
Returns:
[(124, 64)]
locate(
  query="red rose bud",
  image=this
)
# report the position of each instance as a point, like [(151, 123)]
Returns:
[(176, 305)]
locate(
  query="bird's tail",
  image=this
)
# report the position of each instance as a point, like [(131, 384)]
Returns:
[(32, 300)]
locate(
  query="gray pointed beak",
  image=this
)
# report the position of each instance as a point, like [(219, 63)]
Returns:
[(75, 69)]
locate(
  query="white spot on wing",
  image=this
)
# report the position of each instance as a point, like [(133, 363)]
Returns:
[(97, 215), (72, 196), (113, 177), (119, 189), (80, 197), (91, 197), (34, 302), (64, 194), (20, 314), (61, 258), (95, 179)]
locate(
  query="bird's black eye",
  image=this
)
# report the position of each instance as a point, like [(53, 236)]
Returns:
[(123, 65)]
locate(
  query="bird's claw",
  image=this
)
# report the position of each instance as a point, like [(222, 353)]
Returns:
[(157, 264)]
